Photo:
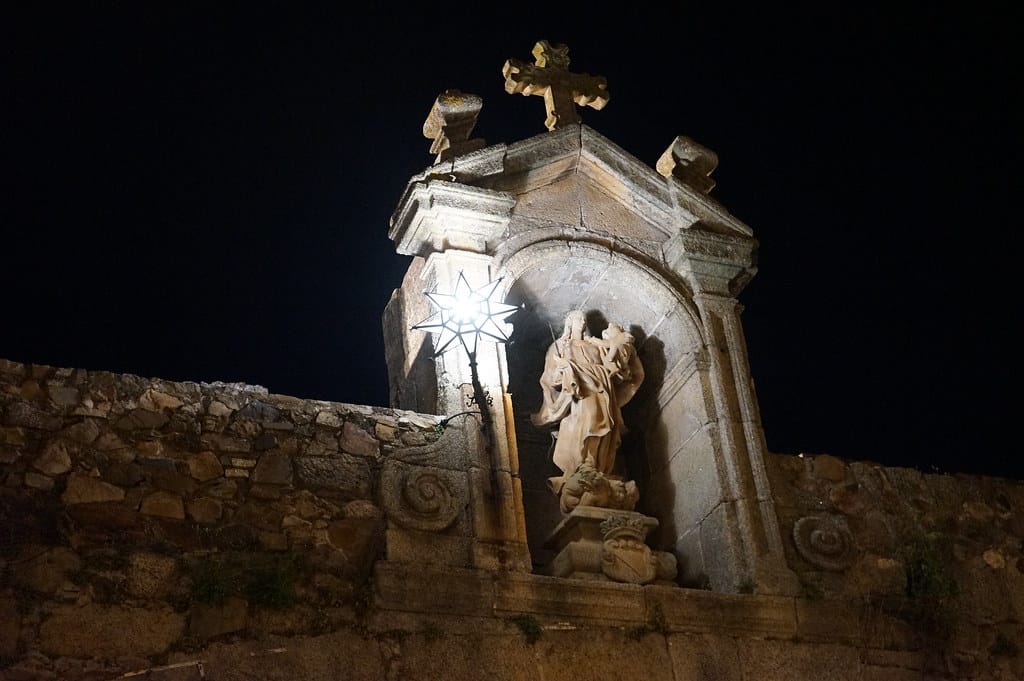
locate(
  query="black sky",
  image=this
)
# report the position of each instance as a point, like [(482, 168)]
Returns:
[(202, 192)]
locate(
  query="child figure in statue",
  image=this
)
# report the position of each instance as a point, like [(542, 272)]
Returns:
[(621, 352)]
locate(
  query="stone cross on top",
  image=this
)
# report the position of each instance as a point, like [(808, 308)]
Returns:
[(550, 77)]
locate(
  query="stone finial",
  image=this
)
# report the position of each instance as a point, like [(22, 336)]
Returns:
[(550, 77), (450, 123), (690, 163)]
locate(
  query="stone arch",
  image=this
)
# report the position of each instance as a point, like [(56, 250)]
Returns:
[(550, 276)]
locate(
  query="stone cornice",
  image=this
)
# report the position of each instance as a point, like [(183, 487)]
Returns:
[(711, 262), (435, 215)]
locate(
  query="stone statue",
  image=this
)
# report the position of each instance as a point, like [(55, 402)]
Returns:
[(586, 381)]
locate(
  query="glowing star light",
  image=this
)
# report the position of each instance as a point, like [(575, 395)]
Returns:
[(466, 315)]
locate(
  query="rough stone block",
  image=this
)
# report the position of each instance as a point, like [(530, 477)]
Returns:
[(830, 468), (43, 568), (986, 590), (150, 575), (85, 432), (124, 474), (339, 655), (172, 481), (141, 419), (416, 588), (343, 472), (15, 437), (265, 517), (790, 661), (260, 411), (54, 459), (164, 504), (205, 510), (604, 653), (466, 656), (109, 516), (329, 419), (209, 620), (355, 440), (222, 489), (82, 489), (583, 599), (225, 443), (412, 546), (698, 657), (719, 613), (27, 416), (360, 539), (10, 627), (109, 632), (901, 659), (275, 469), (873, 673), (38, 481), (831, 621), (155, 400)]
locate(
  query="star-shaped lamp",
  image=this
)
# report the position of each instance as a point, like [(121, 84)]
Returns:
[(466, 315)]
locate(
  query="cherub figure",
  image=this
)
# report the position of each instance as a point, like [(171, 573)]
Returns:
[(620, 352)]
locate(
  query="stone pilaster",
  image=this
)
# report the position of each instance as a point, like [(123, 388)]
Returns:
[(743, 525), (455, 228)]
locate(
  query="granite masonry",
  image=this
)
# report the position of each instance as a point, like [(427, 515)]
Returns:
[(217, 531)]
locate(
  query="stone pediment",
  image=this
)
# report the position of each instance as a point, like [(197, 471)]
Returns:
[(578, 178)]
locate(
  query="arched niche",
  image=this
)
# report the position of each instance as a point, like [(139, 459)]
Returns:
[(549, 278)]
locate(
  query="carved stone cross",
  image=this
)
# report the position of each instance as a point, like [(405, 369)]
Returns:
[(450, 124), (550, 77)]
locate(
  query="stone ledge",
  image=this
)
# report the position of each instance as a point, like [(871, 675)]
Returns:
[(595, 601), (693, 610), (424, 589)]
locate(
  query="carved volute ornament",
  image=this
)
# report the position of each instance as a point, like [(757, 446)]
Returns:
[(549, 77), (824, 541)]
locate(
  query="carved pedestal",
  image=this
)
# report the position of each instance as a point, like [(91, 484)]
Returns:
[(609, 545)]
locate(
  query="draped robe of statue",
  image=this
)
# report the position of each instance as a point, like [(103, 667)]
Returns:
[(583, 393)]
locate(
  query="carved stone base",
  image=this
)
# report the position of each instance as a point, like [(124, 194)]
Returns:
[(609, 545)]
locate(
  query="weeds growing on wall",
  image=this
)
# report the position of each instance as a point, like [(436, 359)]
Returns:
[(932, 591), (810, 590), (212, 581), (1004, 647), (271, 582), (529, 626), (267, 580), (656, 624)]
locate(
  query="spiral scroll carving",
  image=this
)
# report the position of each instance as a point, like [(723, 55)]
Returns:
[(423, 498), (824, 541)]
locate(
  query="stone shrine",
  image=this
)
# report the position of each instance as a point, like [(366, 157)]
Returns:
[(569, 221)]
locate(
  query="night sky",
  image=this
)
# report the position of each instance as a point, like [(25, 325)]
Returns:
[(202, 192)]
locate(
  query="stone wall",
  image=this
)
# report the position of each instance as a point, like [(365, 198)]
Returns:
[(217, 531), (144, 516), (944, 552)]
